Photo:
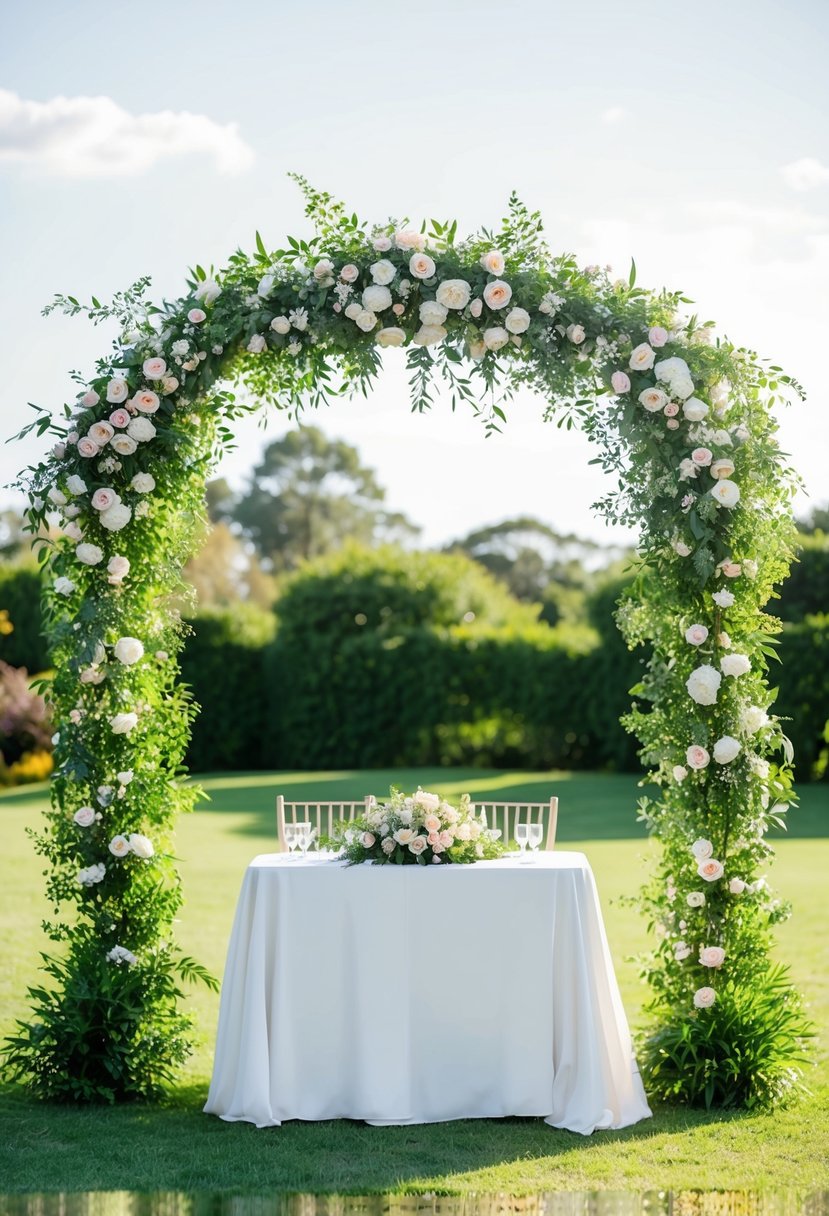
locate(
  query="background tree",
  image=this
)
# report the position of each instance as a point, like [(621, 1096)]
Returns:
[(307, 496)]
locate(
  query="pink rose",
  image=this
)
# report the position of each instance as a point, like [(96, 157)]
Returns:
[(497, 294), (711, 956), (169, 384), (434, 839), (90, 398), (431, 823), (697, 757), (730, 569), (398, 309), (711, 869), (350, 273), (405, 239), (155, 369), (657, 336), (368, 840), (620, 382), (196, 316), (672, 424), (702, 456), (704, 998), (119, 418), (671, 410), (87, 448), (104, 498), (447, 839), (417, 845), (146, 401), (476, 307), (382, 244)]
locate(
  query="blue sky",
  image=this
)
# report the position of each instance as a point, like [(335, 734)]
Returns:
[(691, 137)]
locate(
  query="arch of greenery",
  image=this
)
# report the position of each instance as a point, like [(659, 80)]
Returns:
[(681, 419)]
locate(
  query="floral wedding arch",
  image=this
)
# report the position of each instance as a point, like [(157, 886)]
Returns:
[(681, 418)]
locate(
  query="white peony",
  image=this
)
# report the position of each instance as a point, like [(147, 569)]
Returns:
[(141, 846), (143, 483), (517, 321), (142, 430), (455, 293), (726, 493), (432, 313), (753, 718), (703, 684), (116, 518), (382, 272), (128, 651), (90, 555), (376, 298), (495, 337), (391, 336), (726, 749), (122, 724), (735, 664)]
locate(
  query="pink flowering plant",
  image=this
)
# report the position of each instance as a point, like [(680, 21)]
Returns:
[(417, 829), (683, 424)]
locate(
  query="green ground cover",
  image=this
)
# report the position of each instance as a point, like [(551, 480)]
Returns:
[(176, 1147)]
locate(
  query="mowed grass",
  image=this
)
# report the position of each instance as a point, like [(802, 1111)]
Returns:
[(176, 1148)]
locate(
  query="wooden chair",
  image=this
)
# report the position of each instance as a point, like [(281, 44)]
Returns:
[(505, 815), (321, 815)]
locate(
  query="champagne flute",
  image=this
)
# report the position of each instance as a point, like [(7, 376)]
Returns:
[(536, 834), (290, 837), (521, 838), (304, 836)]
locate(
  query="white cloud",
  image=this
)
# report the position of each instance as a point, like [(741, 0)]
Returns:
[(613, 115), (95, 137), (805, 174)]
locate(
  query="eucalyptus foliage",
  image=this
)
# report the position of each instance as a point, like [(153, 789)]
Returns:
[(681, 419)]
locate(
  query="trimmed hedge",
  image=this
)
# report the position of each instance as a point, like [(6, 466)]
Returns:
[(20, 596)]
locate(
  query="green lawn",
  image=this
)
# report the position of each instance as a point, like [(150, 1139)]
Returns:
[(176, 1148)]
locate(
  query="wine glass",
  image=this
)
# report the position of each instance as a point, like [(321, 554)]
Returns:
[(521, 838), (304, 836), (291, 837), (536, 833)]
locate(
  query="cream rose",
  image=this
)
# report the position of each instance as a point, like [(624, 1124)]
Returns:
[(497, 294), (657, 336), (155, 368), (493, 262), (146, 401), (679, 772), (124, 445), (391, 336), (118, 567), (726, 493), (100, 433), (641, 358), (737, 885), (426, 801), (388, 845), (365, 320), (653, 399), (753, 718), (117, 390), (455, 293), (421, 266), (143, 483), (476, 307), (404, 239), (64, 586), (429, 335), (119, 846), (90, 398), (404, 835), (711, 869), (417, 845)]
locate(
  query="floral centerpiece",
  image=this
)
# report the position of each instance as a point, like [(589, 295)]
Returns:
[(417, 829)]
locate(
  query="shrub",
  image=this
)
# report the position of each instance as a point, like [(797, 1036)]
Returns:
[(24, 725), (24, 646)]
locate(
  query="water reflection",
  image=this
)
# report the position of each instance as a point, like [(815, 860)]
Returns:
[(561, 1203)]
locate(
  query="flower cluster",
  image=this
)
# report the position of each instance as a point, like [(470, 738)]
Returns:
[(418, 829)]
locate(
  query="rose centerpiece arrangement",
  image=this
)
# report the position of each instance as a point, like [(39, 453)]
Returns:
[(418, 829)]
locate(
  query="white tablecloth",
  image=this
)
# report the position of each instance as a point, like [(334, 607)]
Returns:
[(415, 995)]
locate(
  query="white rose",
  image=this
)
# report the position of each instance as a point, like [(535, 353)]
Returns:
[(323, 269), (726, 749), (142, 430), (391, 336), (124, 445), (117, 390), (75, 484), (735, 664), (576, 334), (382, 272), (365, 320), (455, 293), (753, 718), (432, 313), (679, 772), (104, 498), (641, 358), (497, 294), (143, 483), (141, 846), (421, 266), (726, 493), (376, 298), (695, 899), (122, 724), (702, 849), (429, 335), (353, 310), (695, 635), (388, 845), (417, 845), (90, 555), (517, 321), (653, 399), (116, 517), (119, 846), (281, 325), (128, 651), (208, 291), (737, 885), (694, 409), (64, 586), (84, 817), (495, 337), (704, 998), (703, 684)]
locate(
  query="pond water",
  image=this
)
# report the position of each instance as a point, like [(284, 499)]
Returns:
[(556, 1203)]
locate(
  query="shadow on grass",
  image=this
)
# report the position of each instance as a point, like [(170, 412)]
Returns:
[(175, 1146)]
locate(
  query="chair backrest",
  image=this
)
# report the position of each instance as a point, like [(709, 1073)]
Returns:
[(321, 815), (505, 815)]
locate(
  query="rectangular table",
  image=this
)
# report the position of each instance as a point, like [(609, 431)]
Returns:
[(413, 994)]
